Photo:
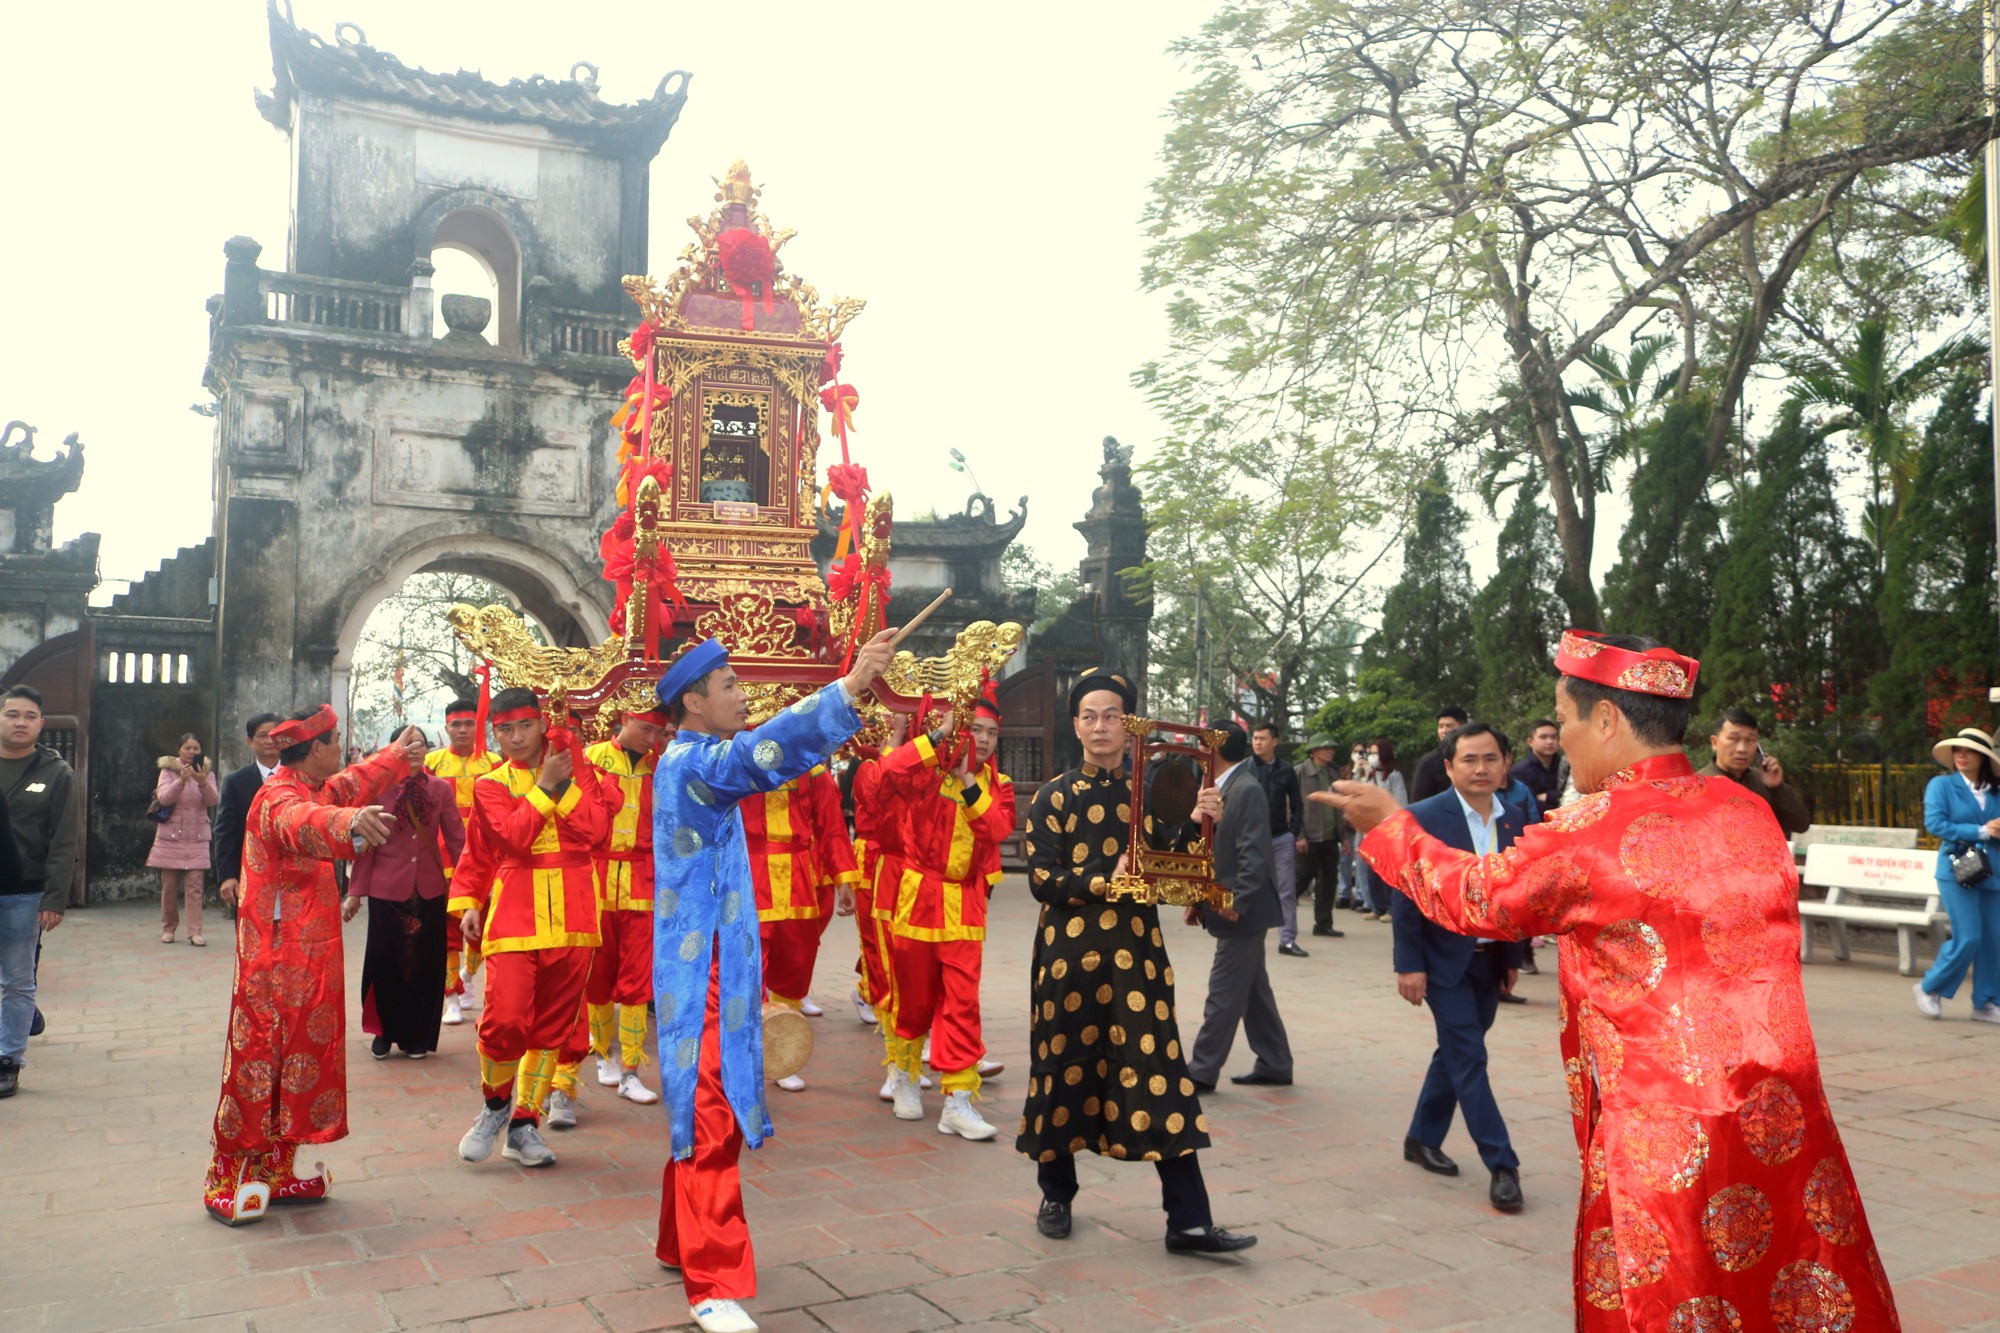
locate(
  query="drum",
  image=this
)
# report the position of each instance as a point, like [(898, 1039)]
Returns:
[(788, 1041)]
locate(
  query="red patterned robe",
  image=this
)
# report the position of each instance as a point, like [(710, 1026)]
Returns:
[(1716, 1195), (284, 1070)]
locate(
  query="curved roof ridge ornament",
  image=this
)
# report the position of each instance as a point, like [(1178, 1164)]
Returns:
[(360, 38)]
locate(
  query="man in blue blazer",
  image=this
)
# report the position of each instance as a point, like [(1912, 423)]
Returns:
[(1460, 977)]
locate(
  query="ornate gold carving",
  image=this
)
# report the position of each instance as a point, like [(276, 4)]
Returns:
[(496, 633), (1213, 739), (750, 625), (981, 646), (768, 698), (1139, 726)]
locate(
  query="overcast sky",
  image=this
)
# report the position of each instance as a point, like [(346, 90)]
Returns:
[(980, 183)]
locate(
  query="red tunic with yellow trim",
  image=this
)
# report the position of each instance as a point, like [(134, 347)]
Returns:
[(797, 841), (625, 862), (937, 888), (284, 1070), (536, 881), (462, 771), (880, 834), (1716, 1194)]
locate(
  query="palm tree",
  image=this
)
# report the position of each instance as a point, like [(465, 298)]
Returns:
[(1870, 396)]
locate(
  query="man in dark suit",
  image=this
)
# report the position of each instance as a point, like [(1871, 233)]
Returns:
[(1239, 983), (1460, 977), (238, 786), (1430, 780)]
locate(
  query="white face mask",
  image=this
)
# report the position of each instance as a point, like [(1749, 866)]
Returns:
[(1374, 763)]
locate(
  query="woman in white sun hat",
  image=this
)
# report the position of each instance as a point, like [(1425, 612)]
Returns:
[(1962, 808)]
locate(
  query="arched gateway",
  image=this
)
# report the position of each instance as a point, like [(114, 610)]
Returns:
[(356, 444)]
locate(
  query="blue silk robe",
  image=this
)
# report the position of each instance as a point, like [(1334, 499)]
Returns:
[(704, 900)]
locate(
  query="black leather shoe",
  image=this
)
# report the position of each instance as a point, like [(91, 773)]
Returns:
[(1429, 1158), (1208, 1240), (1508, 997), (1253, 1079), (1053, 1220), (379, 1048), (1293, 951), (1505, 1192), (1201, 1087), (1329, 932)]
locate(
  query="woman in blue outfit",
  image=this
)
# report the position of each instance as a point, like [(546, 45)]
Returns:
[(1962, 809)]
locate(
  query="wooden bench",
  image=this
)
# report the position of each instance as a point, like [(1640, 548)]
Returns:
[(1871, 886)]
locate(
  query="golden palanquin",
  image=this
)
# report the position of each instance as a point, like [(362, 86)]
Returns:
[(741, 349)]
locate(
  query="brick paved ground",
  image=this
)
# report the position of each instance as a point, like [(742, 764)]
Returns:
[(863, 1222)]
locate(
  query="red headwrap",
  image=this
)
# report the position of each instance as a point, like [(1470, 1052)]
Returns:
[(297, 731), (989, 699), (1660, 671), (656, 716), (461, 710), (521, 714)]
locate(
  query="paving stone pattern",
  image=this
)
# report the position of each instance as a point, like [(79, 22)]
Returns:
[(863, 1222)]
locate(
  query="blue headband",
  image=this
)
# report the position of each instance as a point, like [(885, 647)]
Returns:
[(691, 666)]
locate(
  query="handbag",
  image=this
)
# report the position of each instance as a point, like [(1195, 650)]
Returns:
[(158, 813), (1969, 865)]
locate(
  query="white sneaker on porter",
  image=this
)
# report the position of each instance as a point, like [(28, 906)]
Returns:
[(792, 1083), (561, 1112), (526, 1145), (453, 1015), (905, 1094), (961, 1118), (809, 1009), (722, 1317), (632, 1090), (863, 1010), (477, 1145), (609, 1072)]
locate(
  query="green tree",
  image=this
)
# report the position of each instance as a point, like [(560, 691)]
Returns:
[(407, 633), (1663, 583), (1381, 705), (1426, 636), (1055, 590), (1517, 618), (1794, 636), (1398, 206), (1872, 396), (1937, 594)]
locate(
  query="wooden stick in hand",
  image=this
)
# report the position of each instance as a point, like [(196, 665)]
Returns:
[(919, 618)]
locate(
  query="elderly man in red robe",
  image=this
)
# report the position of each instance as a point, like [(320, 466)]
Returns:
[(1717, 1197), (284, 1069)]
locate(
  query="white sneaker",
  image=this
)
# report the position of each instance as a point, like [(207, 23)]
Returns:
[(1987, 1013), (632, 1090), (924, 1082), (526, 1146), (888, 1093), (468, 1000), (863, 1011), (477, 1145), (962, 1119), (991, 1069), (453, 1015), (809, 1009), (1930, 1004), (722, 1317), (561, 1112), (925, 1058), (792, 1083), (909, 1101), (609, 1072)]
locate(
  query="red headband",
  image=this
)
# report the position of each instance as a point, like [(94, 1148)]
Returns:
[(656, 716), (471, 710), (1660, 671), (297, 731), (521, 714)]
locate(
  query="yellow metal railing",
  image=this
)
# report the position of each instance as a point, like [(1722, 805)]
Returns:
[(1883, 795)]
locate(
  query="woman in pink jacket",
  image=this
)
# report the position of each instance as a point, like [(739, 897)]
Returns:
[(402, 966), (185, 792)]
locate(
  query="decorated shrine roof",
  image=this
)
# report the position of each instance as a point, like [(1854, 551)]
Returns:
[(303, 62)]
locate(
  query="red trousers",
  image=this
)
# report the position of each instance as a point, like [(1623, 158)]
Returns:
[(791, 947), (937, 992), (874, 962), (454, 948), (703, 1230), (534, 1002), (621, 967)]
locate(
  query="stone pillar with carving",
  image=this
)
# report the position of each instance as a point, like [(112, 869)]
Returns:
[(1114, 532)]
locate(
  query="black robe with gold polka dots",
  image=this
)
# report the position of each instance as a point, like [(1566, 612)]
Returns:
[(1106, 1072)]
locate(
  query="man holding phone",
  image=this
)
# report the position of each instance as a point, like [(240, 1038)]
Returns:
[(1740, 757)]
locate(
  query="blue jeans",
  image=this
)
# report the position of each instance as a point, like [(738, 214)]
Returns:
[(1376, 888), (20, 932), (1285, 876), (1974, 945)]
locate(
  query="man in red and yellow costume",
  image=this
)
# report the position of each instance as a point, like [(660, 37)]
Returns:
[(957, 808), (462, 762), (528, 888), (621, 971), (797, 840), (878, 834), (1717, 1197), (284, 1069)]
